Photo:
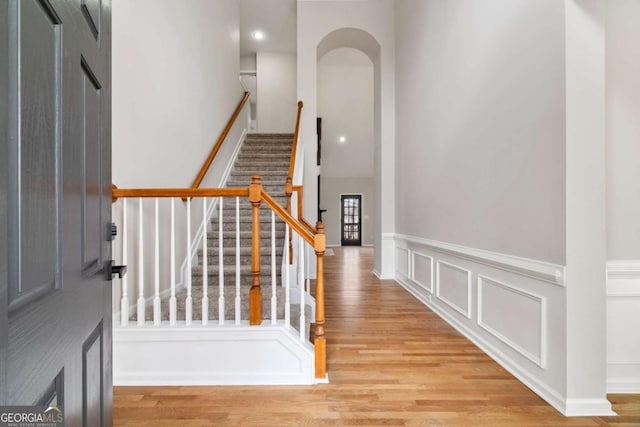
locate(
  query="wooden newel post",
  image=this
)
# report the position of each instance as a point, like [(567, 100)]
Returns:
[(320, 342), (255, 294), (288, 190)]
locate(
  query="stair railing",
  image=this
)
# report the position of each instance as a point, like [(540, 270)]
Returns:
[(292, 168), (151, 296), (212, 154)]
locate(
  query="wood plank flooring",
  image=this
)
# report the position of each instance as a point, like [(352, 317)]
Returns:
[(391, 362)]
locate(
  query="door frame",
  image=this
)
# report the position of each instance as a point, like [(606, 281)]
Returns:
[(341, 217)]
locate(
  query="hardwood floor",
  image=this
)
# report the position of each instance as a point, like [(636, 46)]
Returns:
[(391, 362)]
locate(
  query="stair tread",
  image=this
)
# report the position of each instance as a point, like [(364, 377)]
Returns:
[(265, 155)]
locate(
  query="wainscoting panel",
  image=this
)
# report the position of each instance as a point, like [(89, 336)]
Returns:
[(511, 307), (515, 317), (402, 261), (422, 270), (453, 287), (623, 336)]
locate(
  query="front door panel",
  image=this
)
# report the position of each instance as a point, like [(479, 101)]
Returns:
[(55, 304)]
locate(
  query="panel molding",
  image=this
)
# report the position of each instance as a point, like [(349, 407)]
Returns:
[(539, 270), (452, 304), (18, 298), (55, 390), (431, 270), (549, 394), (406, 269), (94, 338), (91, 265), (94, 26), (539, 359)]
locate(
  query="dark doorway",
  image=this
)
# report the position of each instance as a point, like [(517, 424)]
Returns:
[(319, 156), (351, 219)]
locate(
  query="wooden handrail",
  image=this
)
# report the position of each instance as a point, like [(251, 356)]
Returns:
[(294, 146), (117, 193), (286, 217), (292, 165), (207, 163)]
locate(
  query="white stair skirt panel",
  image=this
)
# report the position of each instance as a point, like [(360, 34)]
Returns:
[(219, 355)]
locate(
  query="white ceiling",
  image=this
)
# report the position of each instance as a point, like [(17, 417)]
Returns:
[(277, 19)]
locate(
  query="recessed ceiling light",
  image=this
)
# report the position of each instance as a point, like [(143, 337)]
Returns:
[(257, 35), (342, 139)]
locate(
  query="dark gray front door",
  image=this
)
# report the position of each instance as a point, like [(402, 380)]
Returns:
[(55, 207)]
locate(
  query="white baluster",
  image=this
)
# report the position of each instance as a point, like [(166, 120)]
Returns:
[(156, 278), (308, 281), (189, 300), (287, 280), (301, 286), (172, 301), (140, 267), (124, 302), (221, 264), (205, 266), (274, 301), (238, 316)]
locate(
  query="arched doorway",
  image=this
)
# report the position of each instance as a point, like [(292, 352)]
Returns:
[(363, 41)]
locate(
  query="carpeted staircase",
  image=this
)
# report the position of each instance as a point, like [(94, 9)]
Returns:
[(266, 155)]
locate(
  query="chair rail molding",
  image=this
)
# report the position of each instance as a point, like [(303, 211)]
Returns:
[(539, 270)]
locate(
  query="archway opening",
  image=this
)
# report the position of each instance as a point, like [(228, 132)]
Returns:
[(348, 80)]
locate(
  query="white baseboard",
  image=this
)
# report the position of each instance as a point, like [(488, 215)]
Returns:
[(217, 355), (588, 408)]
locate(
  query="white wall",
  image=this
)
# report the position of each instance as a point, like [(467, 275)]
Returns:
[(248, 63), (345, 103), (175, 85), (332, 189), (623, 187), (623, 129), (276, 101), (316, 20), (480, 124)]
